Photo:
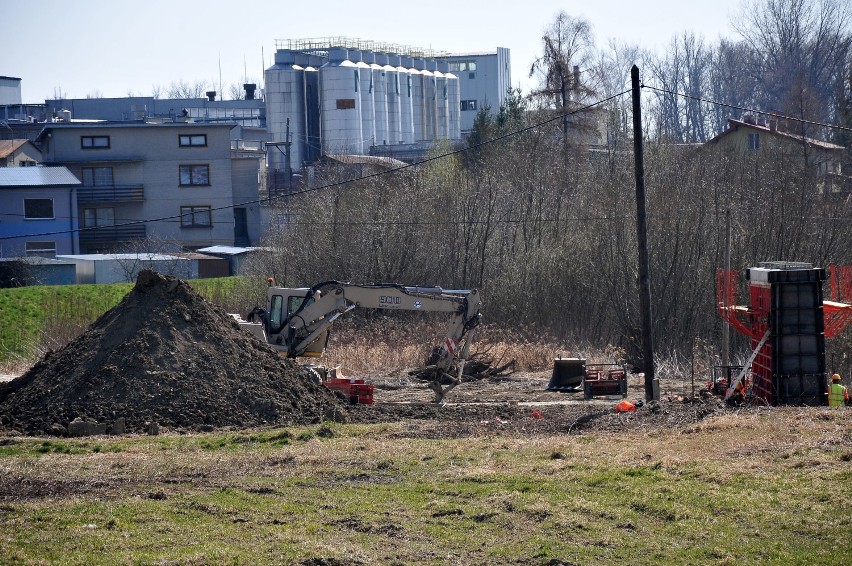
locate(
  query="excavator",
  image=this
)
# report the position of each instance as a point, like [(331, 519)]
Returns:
[(297, 321)]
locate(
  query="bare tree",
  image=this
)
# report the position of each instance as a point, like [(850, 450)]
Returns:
[(684, 69), (156, 91), (159, 254), (182, 89), (235, 91), (612, 74), (800, 53), (568, 48)]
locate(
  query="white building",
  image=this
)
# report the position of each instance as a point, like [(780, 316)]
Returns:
[(334, 96), (484, 80)]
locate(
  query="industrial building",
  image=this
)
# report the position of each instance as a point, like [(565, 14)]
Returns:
[(333, 96)]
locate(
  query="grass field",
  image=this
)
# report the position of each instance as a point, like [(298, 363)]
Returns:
[(763, 486)]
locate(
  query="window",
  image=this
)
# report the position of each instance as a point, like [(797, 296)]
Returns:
[(94, 142), (468, 105), (754, 141), (295, 302), (97, 176), (94, 217), (345, 103), (27, 163), (38, 208), (195, 216), (198, 140), (41, 249), (463, 66), (194, 175), (275, 314)]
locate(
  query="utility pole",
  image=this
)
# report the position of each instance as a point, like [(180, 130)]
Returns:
[(726, 329), (651, 392)]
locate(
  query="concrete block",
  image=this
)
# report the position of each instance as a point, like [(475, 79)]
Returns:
[(118, 426), (79, 427)]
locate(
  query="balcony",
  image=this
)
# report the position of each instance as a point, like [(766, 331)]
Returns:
[(108, 237), (111, 193)]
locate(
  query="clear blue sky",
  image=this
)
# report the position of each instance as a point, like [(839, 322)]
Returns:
[(114, 47)]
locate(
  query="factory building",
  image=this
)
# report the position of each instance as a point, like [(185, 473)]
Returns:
[(484, 80), (339, 96)]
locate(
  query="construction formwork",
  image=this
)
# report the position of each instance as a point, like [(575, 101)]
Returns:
[(787, 321)]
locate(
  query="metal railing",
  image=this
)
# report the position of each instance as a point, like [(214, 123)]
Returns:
[(111, 193), (111, 234)]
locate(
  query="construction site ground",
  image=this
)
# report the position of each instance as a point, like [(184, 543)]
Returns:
[(165, 357), (521, 404)]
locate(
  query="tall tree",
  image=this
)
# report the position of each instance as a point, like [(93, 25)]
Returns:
[(568, 48), (800, 52)]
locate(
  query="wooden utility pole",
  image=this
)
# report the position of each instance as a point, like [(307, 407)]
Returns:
[(642, 242), (726, 329)]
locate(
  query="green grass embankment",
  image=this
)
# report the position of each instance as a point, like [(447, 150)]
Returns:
[(38, 318)]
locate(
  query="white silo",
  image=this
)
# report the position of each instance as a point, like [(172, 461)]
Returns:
[(454, 105), (285, 102), (442, 123), (380, 97), (430, 107), (340, 82), (312, 111), (406, 99), (368, 109), (417, 99), (393, 97)]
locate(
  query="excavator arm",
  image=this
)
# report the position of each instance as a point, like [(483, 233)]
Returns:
[(298, 321)]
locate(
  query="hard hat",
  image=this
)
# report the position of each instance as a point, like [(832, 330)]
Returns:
[(835, 377)]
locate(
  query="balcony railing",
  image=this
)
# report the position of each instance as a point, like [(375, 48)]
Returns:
[(110, 236), (111, 193)]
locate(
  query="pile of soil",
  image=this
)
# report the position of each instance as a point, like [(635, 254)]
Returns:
[(164, 355)]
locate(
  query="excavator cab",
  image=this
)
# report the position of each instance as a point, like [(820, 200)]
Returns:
[(284, 327)]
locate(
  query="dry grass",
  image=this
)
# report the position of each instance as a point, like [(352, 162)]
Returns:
[(750, 487), (392, 345)]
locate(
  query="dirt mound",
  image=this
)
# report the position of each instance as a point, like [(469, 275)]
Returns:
[(164, 355)]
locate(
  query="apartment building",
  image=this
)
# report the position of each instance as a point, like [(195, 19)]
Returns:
[(176, 182), (38, 212)]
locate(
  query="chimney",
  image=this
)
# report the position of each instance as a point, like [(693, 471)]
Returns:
[(250, 87), (211, 95)]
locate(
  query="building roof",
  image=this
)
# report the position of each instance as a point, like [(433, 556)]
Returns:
[(8, 147), (467, 54), (225, 250), (734, 125), (348, 159), (38, 176), (36, 260), (129, 124), (113, 257)]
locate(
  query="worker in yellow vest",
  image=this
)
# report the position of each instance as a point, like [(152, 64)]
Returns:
[(838, 395)]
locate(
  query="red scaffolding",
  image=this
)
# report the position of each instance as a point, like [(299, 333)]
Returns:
[(753, 320)]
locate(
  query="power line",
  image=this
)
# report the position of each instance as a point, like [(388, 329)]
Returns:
[(745, 109), (464, 149), (338, 183)]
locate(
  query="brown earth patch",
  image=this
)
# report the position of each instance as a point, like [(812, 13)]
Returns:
[(164, 355)]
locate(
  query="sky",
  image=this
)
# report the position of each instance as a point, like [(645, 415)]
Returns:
[(116, 48)]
